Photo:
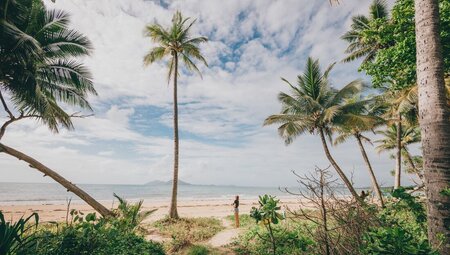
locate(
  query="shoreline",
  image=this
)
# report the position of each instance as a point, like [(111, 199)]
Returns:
[(217, 207)]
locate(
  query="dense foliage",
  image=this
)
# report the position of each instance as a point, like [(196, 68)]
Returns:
[(15, 237), (394, 65), (399, 228), (84, 234)]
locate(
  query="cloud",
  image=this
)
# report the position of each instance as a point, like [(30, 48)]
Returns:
[(252, 44)]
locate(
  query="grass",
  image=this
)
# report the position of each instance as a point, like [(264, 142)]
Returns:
[(245, 220), (187, 231)]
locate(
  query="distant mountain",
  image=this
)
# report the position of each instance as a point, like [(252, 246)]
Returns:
[(169, 182)]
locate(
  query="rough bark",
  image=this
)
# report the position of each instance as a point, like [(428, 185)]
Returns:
[(58, 178), (376, 186), (434, 120), (338, 169), (173, 213), (398, 156)]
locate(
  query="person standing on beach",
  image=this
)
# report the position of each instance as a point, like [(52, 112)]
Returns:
[(236, 211)]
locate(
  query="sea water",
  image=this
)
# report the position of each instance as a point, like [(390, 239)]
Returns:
[(53, 193)]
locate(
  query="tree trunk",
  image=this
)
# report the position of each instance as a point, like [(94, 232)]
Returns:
[(173, 213), (375, 185), (434, 120), (413, 166), (398, 156), (58, 178), (324, 213), (338, 169)]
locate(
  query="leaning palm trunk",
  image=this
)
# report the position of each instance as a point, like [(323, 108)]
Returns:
[(58, 178), (434, 121), (398, 156), (413, 166), (376, 186), (173, 205), (338, 169)]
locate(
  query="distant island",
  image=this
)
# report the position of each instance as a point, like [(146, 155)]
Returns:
[(169, 182)]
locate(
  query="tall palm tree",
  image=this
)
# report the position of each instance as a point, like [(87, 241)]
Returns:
[(175, 42), (314, 107), (359, 44), (434, 119), (39, 70), (370, 113)]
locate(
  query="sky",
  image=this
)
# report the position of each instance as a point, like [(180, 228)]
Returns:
[(252, 44)]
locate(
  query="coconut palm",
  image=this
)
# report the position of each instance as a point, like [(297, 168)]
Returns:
[(408, 136), (314, 107), (359, 44), (370, 113), (39, 71), (174, 43)]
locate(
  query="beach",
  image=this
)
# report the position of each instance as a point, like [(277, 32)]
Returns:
[(187, 208)]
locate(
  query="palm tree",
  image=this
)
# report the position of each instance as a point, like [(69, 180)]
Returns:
[(39, 70), (175, 42), (370, 114), (314, 107), (408, 136), (359, 44)]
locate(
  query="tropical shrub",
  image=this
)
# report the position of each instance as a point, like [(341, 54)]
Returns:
[(290, 239), (402, 229), (88, 234), (198, 250), (15, 237), (267, 214)]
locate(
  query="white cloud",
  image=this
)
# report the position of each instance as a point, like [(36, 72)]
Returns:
[(252, 44)]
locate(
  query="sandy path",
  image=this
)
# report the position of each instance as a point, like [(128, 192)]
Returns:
[(225, 236)]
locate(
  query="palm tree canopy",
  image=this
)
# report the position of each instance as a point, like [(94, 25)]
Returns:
[(359, 43), (175, 41), (39, 67), (370, 115), (313, 104), (409, 135)]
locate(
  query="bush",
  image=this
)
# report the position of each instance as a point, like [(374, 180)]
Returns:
[(186, 231), (289, 240), (14, 237), (402, 229), (87, 234), (198, 250), (97, 240), (395, 241)]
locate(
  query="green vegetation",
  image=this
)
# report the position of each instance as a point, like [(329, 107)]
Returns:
[(40, 71), (15, 237), (84, 234), (267, 214), (187, 231), (245, 220), (339, 226)]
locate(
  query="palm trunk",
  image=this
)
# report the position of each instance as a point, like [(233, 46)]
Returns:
[(338, 169), (173, 213), (434, 121), (324, 214), (375, 185), (58, 178), (398, 157), (413, 166)]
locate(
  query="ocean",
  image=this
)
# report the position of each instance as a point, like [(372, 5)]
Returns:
[(53, 193)]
